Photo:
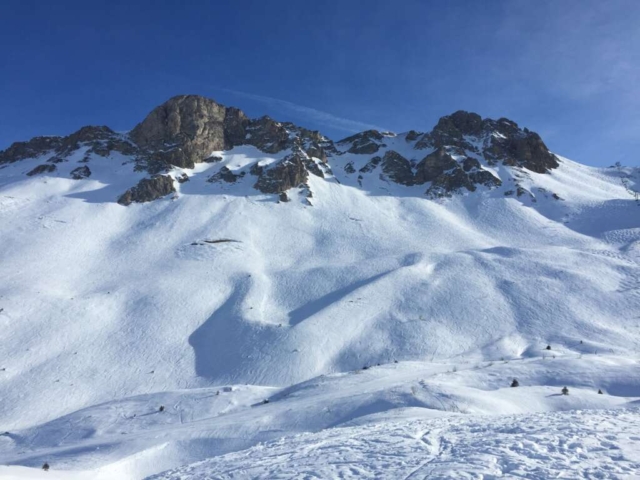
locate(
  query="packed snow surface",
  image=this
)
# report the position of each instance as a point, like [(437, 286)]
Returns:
[(211, 301), (579, 444)]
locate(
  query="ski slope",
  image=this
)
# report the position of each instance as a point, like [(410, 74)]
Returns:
[(109, 312)]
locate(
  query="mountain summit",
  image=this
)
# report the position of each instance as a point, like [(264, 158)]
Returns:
[(462, 153)]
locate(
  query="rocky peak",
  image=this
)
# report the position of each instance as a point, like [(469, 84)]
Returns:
[(495, 140), (186, 129), (367, 142)]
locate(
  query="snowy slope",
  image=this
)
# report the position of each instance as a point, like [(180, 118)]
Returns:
[(581, 444), (110, 311)]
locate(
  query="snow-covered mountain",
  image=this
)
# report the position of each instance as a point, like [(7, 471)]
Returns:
[(206, 262)]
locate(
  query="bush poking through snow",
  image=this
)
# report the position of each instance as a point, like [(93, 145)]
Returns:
[(548, 347), (515, 383), (45, 467), (565, 391), (600, 392), (161, 409)]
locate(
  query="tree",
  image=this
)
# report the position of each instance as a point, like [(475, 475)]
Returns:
[(515, 383), (565, 391), (600, 392), (45, 467)]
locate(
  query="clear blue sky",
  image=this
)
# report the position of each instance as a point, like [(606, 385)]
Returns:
[(567, 69)]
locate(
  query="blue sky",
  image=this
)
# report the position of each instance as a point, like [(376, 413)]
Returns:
[(569, 70)]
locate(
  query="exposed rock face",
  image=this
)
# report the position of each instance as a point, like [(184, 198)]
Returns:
[(367, 142), (33, 148), (80, 173), (496, 140), (528, 151), (371, 165), (99, 140), (186, 129), (434, 165), (397, 168), (46, 168), (267, 135), (288, 173), (148, 189)]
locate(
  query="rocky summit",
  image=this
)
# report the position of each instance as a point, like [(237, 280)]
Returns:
[(463, 153)]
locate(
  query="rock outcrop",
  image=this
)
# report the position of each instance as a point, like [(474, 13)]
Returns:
[(495, 140), (45, 168), (288, 173), (185, 130), (367, 142), (148, 189), (80, 173)]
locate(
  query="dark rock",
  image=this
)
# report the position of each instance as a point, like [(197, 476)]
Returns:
[(349, 168), (80, 173), (397, 168), (526, 150), (412, 135), (371, 165), (451, 182), (186, 129), (366, 142), (267, 135), (434, 165), (451, 130), (288, 173), (35, 147), (283, 197), (45, 168), (470, 163), (212, 159), (484, 177), (313, 167), (147, 190), (225, 175), (183, 178), (56, 160)]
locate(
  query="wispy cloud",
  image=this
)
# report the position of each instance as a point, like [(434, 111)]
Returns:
[(307, 113)]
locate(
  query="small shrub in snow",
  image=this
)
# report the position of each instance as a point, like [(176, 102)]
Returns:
[(515, 383), (45, 467), (565, 391), (161, 409), (548, 347), (600, 392)]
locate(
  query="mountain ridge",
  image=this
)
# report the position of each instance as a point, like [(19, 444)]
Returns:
[(187, 130)]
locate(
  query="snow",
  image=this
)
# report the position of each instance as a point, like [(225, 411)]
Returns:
[(109, 312), (579, 444)]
